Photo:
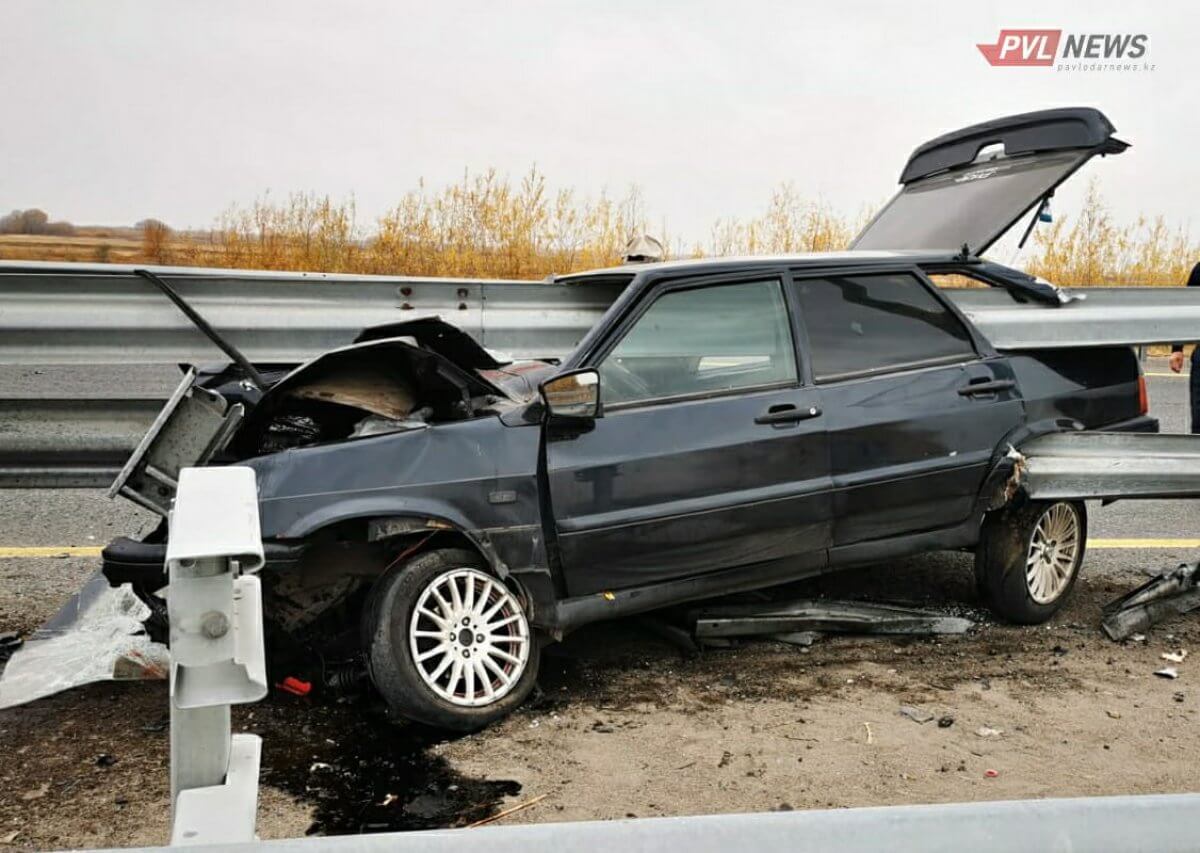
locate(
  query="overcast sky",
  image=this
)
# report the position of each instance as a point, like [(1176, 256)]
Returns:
[(114, 111)]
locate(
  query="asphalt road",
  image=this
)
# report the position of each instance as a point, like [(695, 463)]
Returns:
[(48, 538)]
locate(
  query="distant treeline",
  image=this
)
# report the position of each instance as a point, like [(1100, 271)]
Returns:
[(34, 221)]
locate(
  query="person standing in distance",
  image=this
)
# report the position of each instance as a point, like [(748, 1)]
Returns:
[(1177, 362)]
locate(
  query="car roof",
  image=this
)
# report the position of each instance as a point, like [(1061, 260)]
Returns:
[(802, 259)]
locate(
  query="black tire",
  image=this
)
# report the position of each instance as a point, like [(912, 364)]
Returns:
[(386, 625), (1005, 546)]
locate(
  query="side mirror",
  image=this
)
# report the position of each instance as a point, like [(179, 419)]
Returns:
[(574, 395)]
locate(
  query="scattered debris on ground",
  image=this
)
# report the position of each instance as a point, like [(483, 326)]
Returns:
[(800, 620), (1169, 594), (629, 722), (98, 635), (917, 715)]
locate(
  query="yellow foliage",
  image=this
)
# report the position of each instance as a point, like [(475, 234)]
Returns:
[(1089, 248), (486, 225)]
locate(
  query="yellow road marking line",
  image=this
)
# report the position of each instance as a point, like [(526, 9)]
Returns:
[(1170, 375), (1143, 543), (50, 551)]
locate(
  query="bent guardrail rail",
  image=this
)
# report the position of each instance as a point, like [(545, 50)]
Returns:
[(217, 654), (64, 313), (106, 314)]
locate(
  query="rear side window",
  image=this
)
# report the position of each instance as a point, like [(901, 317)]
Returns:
[(875, 323)]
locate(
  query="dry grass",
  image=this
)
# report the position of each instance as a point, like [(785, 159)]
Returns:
[(1091, 248), (487, 225)]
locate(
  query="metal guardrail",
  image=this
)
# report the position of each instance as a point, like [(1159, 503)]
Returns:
[(102, 314), (69, 443), (1098, 316), (1098, 465), (1148, 824), (52, 313)]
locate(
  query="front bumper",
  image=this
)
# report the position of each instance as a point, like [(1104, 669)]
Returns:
[(144, 564)]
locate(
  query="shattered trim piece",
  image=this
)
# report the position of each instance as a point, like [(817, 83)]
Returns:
[(1172, 593), (97, 636)]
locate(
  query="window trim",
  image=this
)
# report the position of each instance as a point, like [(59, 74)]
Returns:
[(906, 367), (900, 367), (694, 396), (776, 275)]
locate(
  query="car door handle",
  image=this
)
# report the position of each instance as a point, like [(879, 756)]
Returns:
[(786, 413), (986, 387)]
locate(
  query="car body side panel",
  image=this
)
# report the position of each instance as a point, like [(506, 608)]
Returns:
[(908, 452), (668, 491), (1096, 387), (478, 475)]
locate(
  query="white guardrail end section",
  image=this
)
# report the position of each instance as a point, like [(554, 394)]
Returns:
[(217, 654)]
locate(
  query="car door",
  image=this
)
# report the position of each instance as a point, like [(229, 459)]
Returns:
[(915, 406), (710, 453)]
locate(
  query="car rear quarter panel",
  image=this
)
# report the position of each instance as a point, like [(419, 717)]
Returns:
[(1095, 387)]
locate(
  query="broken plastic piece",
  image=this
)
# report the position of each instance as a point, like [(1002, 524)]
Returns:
[(97, 636), (10, 641), (803, 639), (295, 686), (1170, 594), (917, 715)]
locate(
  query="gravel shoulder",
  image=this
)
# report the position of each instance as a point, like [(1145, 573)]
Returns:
[(626, 724)]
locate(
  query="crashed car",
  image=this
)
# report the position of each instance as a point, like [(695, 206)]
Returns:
[(728, 424)]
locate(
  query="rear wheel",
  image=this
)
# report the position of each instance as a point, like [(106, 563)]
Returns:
[(1028, 558), (449, 644)]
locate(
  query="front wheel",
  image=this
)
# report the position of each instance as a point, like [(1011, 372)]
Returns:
[(448, 643), (1028, 558)]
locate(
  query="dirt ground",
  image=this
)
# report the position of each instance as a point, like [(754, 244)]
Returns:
[(626, 724)]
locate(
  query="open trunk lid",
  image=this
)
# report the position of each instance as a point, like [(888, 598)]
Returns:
[(964, 190)]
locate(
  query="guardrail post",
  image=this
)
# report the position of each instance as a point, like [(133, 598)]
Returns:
[(217, 655)]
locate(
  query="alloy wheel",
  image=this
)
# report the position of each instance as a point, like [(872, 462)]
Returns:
[(1053, 553), (469, 638)]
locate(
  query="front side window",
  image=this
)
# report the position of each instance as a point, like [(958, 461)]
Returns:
[(873, 323), (705, 340)]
